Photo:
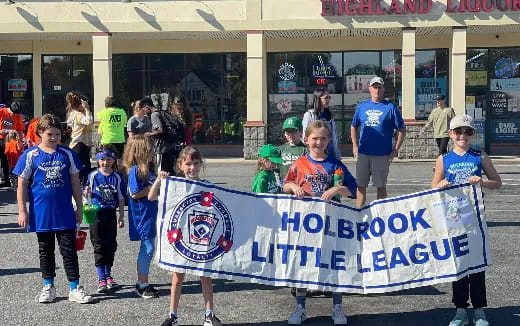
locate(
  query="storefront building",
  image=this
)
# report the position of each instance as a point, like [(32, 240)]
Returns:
[(246, 65)]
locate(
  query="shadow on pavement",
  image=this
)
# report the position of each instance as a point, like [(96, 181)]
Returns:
[(503, 316), (11, 228), (7, 196), (504, 223), (18, 271)]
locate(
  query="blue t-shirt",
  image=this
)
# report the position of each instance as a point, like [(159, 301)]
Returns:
[(377, 122), (459, 168), (50, 188), (107, 190), (142, 213)]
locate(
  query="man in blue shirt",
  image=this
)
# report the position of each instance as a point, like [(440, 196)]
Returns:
[(375, 120)]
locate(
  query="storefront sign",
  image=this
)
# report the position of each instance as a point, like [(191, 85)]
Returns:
[(286, 87), (476, 78), (427, 88), (284, 106), (15, 85), (396, 7), (323, 70), (497, 104), (286, 72), (506, 68), (505, 131)]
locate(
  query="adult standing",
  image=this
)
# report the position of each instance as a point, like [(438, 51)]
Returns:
[(10, 119), (139, 123), (181, 110), (319, 110), (112, 122), (168, 132), (440, 119), (375, 120), (80, 120)]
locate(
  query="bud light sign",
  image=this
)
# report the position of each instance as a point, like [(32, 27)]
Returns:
[(505, 131)]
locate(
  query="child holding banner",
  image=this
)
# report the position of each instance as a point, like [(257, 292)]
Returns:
[(107, 189), (142, 212), (318, 174), (189, 165), (462, 165), (265, 179)]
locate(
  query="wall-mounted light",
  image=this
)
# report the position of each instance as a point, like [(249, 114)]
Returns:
[(8, 2), (126, 1)]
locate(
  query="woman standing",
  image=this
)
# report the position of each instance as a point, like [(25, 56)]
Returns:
[(183, 113), (319, 110), (80, 120)]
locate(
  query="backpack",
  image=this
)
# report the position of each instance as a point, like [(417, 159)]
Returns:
[(173, 129)]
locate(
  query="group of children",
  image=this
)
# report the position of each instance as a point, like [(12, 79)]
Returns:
[(48, 172)]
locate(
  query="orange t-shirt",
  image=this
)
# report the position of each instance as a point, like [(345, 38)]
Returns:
[(13, 151), (31, 132), (10, 121)]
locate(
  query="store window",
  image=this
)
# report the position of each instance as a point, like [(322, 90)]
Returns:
[(62, 74), (503, 100), (477, 65), (431, 79), (16, 81), (214, 86), (293, 77)]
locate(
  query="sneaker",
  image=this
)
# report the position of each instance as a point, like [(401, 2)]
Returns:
[(146, 292), (338, 316), (479, 318), (297, 317), (111, 284), (170, 321), (460, 318), (48, 294), (102, 286), (212, 320), (80, 296)]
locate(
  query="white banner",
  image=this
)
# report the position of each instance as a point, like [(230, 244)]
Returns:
[(419, 239)]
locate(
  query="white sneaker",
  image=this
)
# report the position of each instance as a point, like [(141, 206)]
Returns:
[(338, 316), (460, 318), (48, 294), (78, 295), (479, 318), (297, 317)]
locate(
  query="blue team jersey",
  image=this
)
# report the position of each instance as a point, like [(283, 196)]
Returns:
[(459, 168), (377, 122), (142, 213), (107, 190), (50, 189)]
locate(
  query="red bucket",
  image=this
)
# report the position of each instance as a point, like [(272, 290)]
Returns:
[(81, 236)]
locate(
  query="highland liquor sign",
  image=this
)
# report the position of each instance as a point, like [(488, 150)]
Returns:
[(397, 7)]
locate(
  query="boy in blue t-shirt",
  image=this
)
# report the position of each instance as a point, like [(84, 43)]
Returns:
[(48, 176)]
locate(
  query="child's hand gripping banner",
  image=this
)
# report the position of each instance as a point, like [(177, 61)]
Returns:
[(419, 239)]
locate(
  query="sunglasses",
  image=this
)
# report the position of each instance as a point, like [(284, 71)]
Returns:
[(465, 131)]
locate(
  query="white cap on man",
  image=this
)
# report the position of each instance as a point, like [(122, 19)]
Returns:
[(376, 80)]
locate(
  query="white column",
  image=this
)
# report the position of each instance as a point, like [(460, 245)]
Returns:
[(408, 73), (457, 98), (37, 78), (256, 78), (101, 68)]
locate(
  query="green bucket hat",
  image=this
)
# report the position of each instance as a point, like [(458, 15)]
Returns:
[(271, 153), (292, 123)]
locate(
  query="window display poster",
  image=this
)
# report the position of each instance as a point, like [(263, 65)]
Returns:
[(476, 78), (425, 91), (505, 131), (504, 104), (478, 140), (512, 84)]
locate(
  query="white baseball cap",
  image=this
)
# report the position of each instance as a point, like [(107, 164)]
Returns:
[(462, 120), (376, 80)]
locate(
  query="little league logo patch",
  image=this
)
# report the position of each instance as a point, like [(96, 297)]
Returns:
[(201, 228)]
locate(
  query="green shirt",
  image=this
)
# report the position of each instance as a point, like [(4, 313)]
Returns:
[(440, 118), (112, 123), (265, 182), (289, 155)]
